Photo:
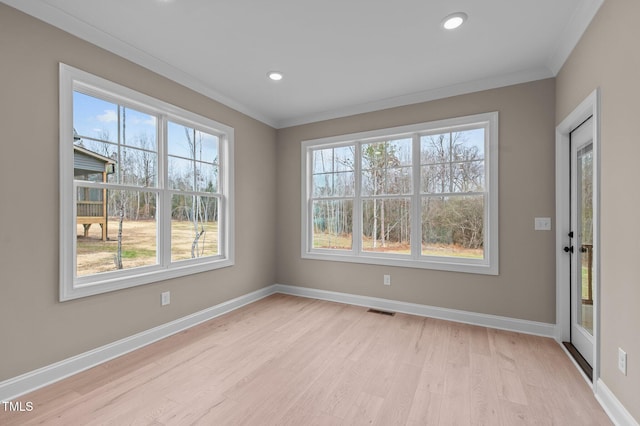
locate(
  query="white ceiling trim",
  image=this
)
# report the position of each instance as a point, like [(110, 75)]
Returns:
[(425, 96), (572, 34)]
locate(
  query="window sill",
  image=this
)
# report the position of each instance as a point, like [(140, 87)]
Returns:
[(113, 281), (469, 266)]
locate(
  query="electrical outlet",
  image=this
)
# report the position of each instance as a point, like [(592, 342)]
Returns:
[(622, 361), (166, 298), (387, 280)]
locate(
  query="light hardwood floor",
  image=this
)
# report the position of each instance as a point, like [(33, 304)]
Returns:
[(294, 361)]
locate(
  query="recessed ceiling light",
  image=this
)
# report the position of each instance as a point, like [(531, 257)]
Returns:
[(454, 20), (275, 75)]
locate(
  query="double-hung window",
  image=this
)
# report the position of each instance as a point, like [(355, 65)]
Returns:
[(146, 188), (423, 196)]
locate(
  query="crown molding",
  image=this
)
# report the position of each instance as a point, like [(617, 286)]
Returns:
[(424, 96), (572, 34)]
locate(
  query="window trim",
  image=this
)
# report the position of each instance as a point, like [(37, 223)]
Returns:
[(488, 266), (71, 287)]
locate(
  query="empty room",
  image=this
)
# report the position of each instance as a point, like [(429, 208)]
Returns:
[(319, 213)]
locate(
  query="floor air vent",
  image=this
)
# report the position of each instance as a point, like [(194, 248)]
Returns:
[(378, 311)]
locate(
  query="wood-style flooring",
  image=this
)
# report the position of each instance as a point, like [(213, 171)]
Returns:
[(287, 360)]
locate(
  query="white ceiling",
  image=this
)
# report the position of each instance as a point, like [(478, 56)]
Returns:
[(339, 57)]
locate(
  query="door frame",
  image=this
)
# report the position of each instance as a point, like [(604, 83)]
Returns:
[(588, 107)]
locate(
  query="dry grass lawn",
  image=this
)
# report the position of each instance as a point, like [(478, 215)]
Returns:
[(343, 241), (138, 244)]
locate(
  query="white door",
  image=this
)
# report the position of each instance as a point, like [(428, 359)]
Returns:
[(581, 248)]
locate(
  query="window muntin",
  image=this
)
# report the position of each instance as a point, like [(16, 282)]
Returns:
[(419, 196), (156, 178)]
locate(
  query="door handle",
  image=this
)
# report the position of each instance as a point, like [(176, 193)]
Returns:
[(568, 249)]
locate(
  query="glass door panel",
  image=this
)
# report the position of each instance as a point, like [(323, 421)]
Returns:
[(585, 236)]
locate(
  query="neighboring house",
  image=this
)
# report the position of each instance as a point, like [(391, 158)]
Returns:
[(92, 202)]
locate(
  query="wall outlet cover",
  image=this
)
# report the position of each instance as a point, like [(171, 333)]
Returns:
[(166, 298), (542, 224), (622, 361)]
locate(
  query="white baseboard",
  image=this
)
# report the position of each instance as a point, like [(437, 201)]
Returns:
[(485, 320), (613, 407), (28, 382)]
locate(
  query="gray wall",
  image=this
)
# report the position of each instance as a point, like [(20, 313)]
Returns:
[(608, 57), (37, 330), (525, 288)]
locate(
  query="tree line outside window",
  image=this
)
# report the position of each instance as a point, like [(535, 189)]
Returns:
[(370, 188)]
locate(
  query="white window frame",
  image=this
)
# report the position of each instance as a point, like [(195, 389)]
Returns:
[(72, 286), (489, 265)]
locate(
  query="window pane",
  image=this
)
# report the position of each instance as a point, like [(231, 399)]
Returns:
[(398, 180), (130, 219), (207, 146), (194, 227), (344, 158), (452, 162), (181, 174), (104, 149), (333, 184), (330, 160), (344, 184), (467, 145), (137, 167), (386, 225), (187, 142), (193, 159), (453, 226), (386, 167), (322, 184), (373, 182), (138, 129), (323, 161), (333, 224), (95, 118), (180, 140), (468, 176), (434, 149), (399, 152), (453, 177), (206, 177), (435, 179)]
